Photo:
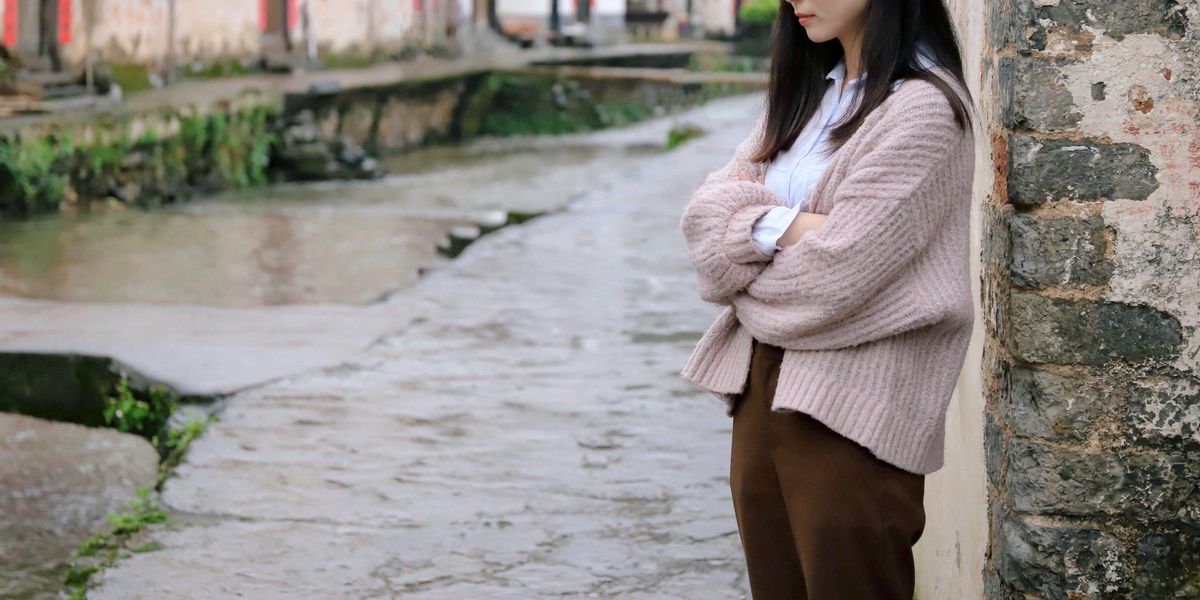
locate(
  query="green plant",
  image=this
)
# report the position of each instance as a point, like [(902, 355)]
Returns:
[(351, 59), (101, 158), (134, 415), (239, 144), (100, 551), (759, 11), (30, 180), (177, 444), (178, 439), (221, 67), (142, 510), (131, 77), (260, 157), (680, 134)]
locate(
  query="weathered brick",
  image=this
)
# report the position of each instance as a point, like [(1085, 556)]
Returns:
[(1058, 562), (1054, 330), (358, 121), (1058, 250), (1060, 480), (1042, 170), (995, 588), (1167, 565), (1054, 407), (993, 451), (1077, 20), (1033, 95), (1001, 23), (1165, 410), (996, 256)]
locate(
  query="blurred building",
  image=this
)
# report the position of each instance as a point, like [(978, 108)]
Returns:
[(610, 22), (56, 40), (600, 21), (716, 18), (62, 34), (607, 22)]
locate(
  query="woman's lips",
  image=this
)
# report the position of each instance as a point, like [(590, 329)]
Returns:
[(804, 19)]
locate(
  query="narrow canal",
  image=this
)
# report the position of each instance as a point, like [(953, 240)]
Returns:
[(322, 243), (345, 242)]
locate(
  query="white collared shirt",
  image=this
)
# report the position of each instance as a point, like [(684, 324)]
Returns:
[(795, 170)]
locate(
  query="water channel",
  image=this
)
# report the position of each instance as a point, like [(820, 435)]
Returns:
[(331, 242), (321, 243)]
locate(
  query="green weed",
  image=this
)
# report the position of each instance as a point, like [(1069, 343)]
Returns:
[(134, 415)]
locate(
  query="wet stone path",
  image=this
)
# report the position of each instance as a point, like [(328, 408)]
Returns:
[(525, 435)]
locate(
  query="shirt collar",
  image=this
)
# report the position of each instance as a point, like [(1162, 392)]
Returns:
[(838, 72)]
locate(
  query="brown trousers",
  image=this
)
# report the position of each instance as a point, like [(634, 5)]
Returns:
[(820, 517)]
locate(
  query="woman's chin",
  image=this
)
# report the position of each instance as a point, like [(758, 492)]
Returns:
[(816, 36)]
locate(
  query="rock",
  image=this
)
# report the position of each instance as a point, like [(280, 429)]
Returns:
[(60, 482)]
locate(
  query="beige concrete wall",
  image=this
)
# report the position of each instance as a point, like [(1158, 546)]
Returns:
[(950, 555), (345, 25), (206, 28), (136, 31), (717, 14), (119, 30)]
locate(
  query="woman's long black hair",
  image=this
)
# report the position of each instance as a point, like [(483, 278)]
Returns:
[(892, 31)]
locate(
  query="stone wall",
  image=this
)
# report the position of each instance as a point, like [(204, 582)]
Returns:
[(543, 100), (141, 160), (1092, 300), (169, 155)]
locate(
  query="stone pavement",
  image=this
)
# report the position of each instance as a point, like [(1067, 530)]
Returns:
[(147, 313), (526, 434), (210, 350)]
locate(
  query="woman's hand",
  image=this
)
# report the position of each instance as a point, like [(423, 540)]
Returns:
[(804, 222)]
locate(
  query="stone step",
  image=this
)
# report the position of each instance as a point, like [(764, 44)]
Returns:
[(47, 78), (48, 84), (17, 105), (65, 91)]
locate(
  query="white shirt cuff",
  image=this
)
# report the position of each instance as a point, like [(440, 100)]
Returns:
[(770, 227)]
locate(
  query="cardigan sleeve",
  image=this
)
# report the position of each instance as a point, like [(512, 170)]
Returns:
[(717, 223), (845, 283), (770, 227)]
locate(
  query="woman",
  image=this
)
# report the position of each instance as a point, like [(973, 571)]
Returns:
[(846, 323)]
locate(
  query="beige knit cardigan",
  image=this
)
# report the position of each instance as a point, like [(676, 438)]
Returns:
[(874, 308)]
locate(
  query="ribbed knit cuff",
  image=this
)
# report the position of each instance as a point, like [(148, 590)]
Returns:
[(739, 239)]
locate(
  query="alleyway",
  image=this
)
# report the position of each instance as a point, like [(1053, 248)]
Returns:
[(525, 435)]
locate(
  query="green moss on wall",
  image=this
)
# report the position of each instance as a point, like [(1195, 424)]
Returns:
[(171, 155), (533, 103), (131, 77), (150, 159), (31, 179)]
